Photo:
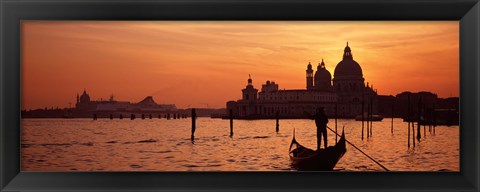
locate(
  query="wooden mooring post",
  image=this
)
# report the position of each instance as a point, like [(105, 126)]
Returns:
[(424, 112), (408, 119), (371, 116), (408, 122), (194, 118), (419, 127), (336, 116), (231, 123), (434, 121), (424, 129), (368, 120), (413, 133), (419, 136), (277, 125), (363, 117), (393, 111)]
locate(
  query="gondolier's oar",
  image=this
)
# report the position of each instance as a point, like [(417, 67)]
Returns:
[(360, 150)]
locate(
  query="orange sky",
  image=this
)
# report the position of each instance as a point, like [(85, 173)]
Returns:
[(200, 64)]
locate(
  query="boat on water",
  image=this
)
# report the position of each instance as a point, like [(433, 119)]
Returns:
[(305, 159), (366, 118)]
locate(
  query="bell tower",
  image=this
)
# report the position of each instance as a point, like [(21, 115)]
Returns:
[(249, 93), (309, 76)]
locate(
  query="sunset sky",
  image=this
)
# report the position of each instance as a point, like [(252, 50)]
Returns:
[(206, 64)]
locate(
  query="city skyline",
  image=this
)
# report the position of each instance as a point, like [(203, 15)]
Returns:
[(172, 60)]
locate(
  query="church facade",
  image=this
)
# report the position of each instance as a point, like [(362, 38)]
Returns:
[(344, 96)]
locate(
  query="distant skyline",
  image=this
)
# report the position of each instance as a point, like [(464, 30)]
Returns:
[(205, 64)]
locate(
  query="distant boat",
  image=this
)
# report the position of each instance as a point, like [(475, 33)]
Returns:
[(374, 118), (322, 160)]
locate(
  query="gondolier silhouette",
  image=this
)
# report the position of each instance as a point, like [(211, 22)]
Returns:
[(321, 121)]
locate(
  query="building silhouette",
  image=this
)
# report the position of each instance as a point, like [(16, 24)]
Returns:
[(344, 97), (148, 105)]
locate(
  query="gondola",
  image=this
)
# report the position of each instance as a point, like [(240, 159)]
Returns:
[(305, 159)]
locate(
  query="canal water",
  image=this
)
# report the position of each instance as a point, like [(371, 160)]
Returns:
[(165, 145)]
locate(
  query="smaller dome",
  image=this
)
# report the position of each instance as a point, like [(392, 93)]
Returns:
[(322, 74), (84, 97)]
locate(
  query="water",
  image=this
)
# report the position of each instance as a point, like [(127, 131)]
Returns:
[(164, 145)]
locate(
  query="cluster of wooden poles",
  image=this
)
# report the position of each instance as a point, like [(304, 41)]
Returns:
[(369, 118), (418, 119), (150, 116), (277, 124), (194, 117), (277, 128), (410, 121)]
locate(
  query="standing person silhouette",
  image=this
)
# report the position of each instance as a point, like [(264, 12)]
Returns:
[(321, 121)]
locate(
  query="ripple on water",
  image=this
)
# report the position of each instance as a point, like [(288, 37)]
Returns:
[(261, 137), (180, 143), (26, 145), (87, 144), (446, 170), (275, 157), (148, 141), (207, 165), (135, 166), (85, 160), (55, 144), (254, 146), (165, 151), (242, 138)]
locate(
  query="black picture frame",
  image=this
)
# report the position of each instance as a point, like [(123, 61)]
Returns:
[(12, 12)]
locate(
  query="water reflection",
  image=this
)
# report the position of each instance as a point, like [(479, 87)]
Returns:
[(164, 145)]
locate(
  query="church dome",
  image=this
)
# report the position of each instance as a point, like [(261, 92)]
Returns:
[(348, 66), (322, 73), (84, 97)]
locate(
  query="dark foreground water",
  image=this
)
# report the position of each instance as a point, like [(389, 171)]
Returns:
[(164, 145)]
